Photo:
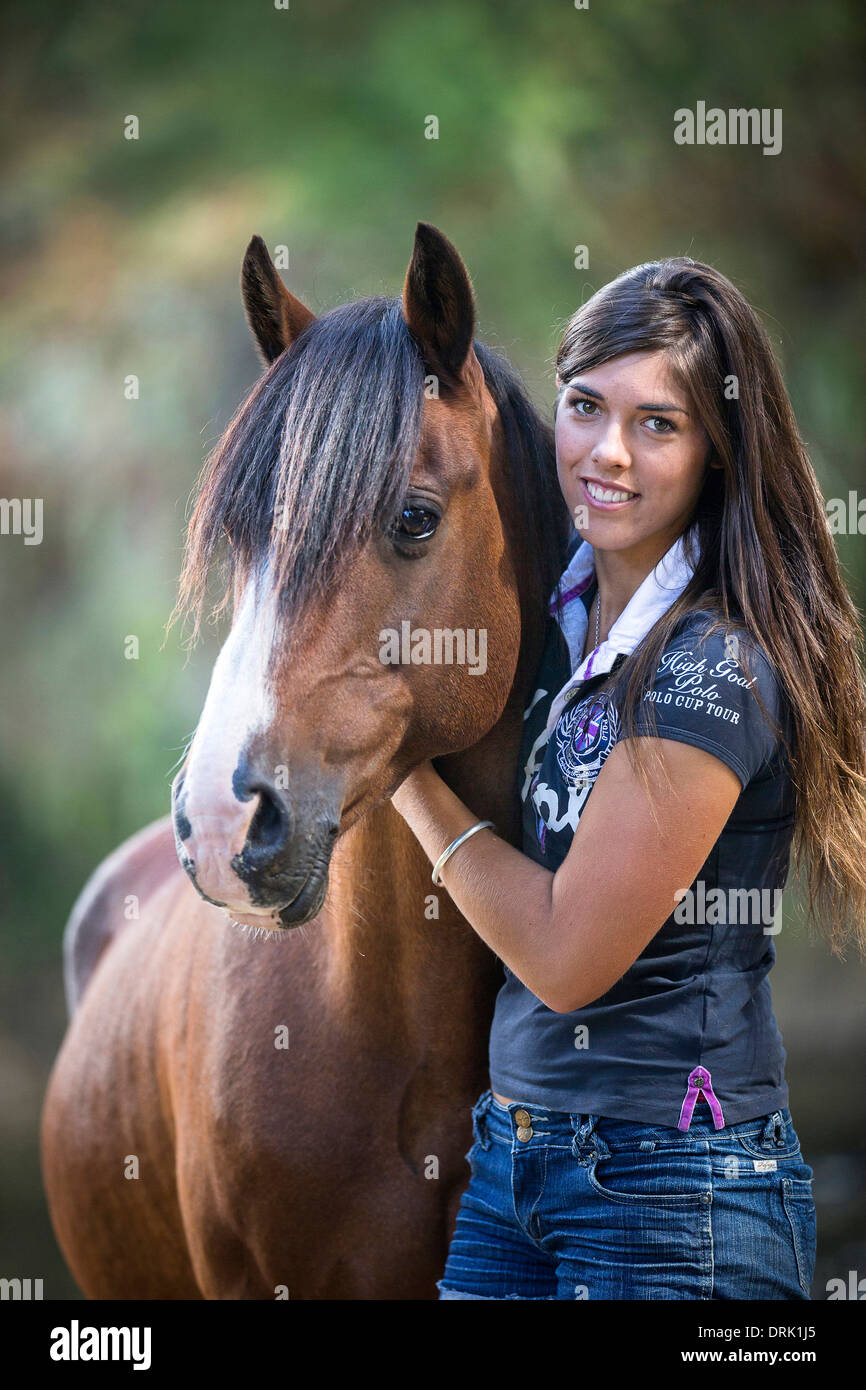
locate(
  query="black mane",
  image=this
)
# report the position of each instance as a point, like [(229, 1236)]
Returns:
[(327, 439)]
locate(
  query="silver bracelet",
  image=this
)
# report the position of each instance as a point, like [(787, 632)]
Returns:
[(446, 853)]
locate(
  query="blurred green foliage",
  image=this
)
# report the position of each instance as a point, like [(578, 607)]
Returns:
[(306, 125)]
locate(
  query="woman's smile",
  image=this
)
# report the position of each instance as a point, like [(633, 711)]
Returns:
[(607, 496)]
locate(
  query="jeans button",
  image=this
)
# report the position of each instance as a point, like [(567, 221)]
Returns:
[(524, 1133), (523, 1118)]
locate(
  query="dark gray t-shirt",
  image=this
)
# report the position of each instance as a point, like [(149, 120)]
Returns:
[(698, 995)]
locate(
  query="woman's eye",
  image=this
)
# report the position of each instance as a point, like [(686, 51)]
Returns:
[(416, 523), (582, 401), (667, 426)]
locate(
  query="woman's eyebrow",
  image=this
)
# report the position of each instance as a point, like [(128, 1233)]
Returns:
[(587, 390), (642, 405), (660, 406)]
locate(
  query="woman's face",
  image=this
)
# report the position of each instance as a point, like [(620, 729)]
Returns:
[(631, 454)]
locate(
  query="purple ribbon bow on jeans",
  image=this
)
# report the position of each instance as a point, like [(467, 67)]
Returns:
[(700, 1080)]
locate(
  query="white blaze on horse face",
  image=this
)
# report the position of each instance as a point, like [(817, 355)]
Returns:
[(238, 706)]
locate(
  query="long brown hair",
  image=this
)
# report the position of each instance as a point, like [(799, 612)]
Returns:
[(764, 560)]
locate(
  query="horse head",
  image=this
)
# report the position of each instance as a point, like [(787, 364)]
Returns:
[(389, 503)]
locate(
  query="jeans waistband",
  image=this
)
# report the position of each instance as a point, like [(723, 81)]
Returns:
[(522, 1121)]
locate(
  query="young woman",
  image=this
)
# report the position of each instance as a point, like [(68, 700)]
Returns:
[(698, 717)]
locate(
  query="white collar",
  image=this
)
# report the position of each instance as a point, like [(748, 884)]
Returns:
[(654, 597)]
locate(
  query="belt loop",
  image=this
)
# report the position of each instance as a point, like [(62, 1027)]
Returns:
[(479, 1118), (601, 1148), (774, 1130), (585, 1132)]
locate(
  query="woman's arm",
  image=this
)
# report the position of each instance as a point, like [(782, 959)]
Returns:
[(571, 935)]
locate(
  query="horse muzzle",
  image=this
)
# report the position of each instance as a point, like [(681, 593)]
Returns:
[(258, 852)]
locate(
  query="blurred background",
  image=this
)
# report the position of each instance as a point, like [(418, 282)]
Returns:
[(307, 125)]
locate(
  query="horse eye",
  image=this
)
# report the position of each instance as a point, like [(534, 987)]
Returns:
[(416, 523)]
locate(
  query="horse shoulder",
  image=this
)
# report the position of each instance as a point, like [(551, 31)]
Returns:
[(111, 897)]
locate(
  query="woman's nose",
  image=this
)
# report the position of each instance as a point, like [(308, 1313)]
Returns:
[(610, 449)]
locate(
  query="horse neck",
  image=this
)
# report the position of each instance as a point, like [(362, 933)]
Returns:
[(399, 967), (400, 960)]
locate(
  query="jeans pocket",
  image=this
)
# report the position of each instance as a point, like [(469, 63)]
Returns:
[(667, 1179), (786, 1148), (800, 1209)]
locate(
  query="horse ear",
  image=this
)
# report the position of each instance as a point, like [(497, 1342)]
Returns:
[(439, 306), (275, 316)]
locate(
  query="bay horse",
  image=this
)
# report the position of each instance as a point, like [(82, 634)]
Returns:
[(245, 1107)]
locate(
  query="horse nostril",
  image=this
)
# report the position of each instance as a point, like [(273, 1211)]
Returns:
[(269, 827), (182, 827)]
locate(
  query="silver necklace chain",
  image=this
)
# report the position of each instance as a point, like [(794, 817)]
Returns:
[(597, 615)]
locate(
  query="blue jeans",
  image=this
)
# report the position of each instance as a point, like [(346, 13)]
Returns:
[(582, 1207)]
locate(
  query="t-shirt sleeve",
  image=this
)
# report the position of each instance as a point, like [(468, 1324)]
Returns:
[(704, 693)]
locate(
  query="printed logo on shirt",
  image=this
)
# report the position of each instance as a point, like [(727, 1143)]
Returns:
[(549, 813), (583, 738), (692, 684)]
